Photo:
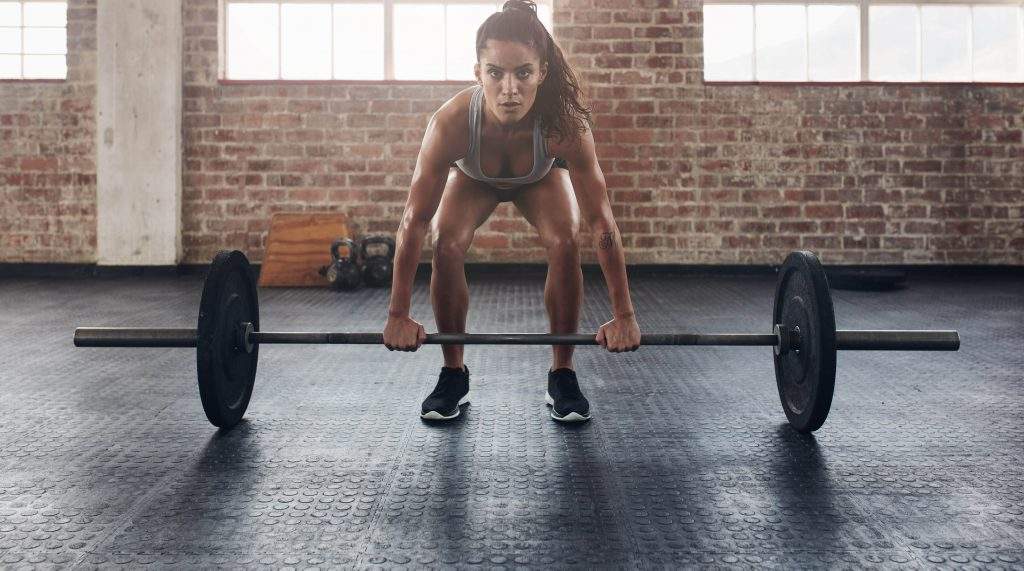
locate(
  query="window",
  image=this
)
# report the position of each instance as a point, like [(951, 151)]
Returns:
[(33, 40), (356, 40), (870, 40)]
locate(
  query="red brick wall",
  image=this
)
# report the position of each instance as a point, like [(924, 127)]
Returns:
[(697, 173), (721, 174), (47, 156)]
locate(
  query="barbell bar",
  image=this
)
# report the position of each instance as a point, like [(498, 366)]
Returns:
[(846, 339), (804, 339)]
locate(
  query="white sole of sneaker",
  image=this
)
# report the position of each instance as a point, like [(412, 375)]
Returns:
[(571, 417), (434, 415)]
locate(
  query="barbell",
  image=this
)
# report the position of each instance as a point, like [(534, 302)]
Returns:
[(803, 337)]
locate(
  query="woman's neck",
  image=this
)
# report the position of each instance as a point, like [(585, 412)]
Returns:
[(496, 129)]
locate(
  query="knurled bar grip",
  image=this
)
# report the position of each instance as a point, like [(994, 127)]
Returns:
[(899, 340), (516, 338)]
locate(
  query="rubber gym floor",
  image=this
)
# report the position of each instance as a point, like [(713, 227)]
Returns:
[(107, 460)]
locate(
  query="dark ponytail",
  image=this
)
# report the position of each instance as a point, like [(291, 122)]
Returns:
[(559, 99)]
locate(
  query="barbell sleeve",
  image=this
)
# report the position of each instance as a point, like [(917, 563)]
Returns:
[(897, 340), (134, 337)]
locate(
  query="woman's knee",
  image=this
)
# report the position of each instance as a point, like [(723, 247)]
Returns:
[(562, 243), (451, 246)]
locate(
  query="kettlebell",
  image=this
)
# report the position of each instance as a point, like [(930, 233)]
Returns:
[(377, 268), (343, 273)]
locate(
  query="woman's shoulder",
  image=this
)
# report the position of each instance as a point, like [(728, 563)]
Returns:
[(564, 145), (451, 125), (453, 114)]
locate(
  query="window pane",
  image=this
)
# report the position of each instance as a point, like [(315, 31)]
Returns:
[(10, 67), (10, 14), (834, 35), (545, 15), (306, 41), (252, 41), (419, 48), (10, 40), (46, 14), (781, 42), (46, 41), (728, 43), (46, 67), (945, 43), (893, 43), (359, 41), (463, 21), (997, 50)]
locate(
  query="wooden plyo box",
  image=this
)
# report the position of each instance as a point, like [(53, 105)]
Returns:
[(298, 244)]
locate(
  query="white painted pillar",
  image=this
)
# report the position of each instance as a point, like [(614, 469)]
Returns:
[(138, 130)]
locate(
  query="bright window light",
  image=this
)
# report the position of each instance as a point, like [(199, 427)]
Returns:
[(997, 43), (946, 43), (33, 40), (463, 20), (359, 41), (309, 40), (894, 42), (781, 42), (834, 41), (253, 40), (927, 40), (728, 43), (306, 41), (419, 52)]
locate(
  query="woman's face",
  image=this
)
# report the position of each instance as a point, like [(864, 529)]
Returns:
[(510, 73)]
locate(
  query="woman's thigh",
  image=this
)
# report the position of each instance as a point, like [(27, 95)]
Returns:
[(550, 206), (465, 205)]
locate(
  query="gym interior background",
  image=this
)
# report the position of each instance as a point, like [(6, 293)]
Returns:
[(148, 153)]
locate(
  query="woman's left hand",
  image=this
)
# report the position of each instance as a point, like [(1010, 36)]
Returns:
[(619, 335)]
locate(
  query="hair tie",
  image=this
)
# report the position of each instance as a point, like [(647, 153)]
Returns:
[(520, 6)]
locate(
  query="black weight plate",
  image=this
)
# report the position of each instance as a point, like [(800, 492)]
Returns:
[(226, 372), (806, 376)]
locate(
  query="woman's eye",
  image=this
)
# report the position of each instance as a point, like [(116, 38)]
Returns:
[(495, 74), (524, 74)]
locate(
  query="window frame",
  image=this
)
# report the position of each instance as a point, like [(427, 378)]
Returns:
[(388, 38), (864, 48), (21, 54)]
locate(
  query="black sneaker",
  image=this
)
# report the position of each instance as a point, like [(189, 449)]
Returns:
[(452, 390), (567, 402)]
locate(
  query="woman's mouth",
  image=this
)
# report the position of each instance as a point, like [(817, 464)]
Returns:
[(510, 106)]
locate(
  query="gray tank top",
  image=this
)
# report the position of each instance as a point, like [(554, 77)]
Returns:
[(470, 164)]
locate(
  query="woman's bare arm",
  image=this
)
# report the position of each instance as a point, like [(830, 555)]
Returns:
[(592, 195), (428, 181)]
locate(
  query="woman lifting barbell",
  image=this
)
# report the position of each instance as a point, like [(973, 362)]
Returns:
[(523, 113)]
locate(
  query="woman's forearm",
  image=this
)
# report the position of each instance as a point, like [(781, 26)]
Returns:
[(408, 245), (612, 258)]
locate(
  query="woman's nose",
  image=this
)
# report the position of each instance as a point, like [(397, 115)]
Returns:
[(510, 86)]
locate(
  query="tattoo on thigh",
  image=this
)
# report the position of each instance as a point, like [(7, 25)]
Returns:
[(607, 240)]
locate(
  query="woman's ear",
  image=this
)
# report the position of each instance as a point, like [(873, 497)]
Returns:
[(543, 71), (476, 72)]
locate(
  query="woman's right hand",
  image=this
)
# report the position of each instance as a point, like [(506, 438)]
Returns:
[(403, 334)]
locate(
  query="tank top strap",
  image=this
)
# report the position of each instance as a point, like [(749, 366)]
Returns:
[(540, 146), (475, 105)]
